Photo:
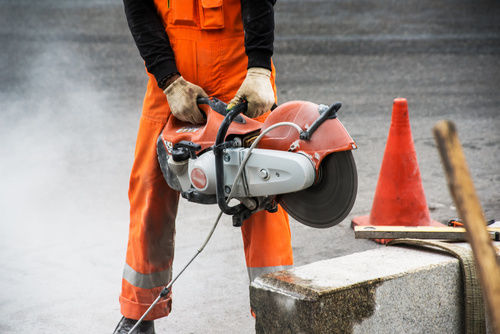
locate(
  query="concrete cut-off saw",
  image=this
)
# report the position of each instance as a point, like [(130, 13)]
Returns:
[(299, 157)]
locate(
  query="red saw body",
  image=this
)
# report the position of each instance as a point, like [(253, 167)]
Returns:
[(330, 137), (312, 174)]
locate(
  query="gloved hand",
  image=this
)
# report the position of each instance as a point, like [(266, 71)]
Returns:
[(257, 90), (181, 97)]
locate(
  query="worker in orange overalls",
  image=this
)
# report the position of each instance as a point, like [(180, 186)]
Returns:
[(193, 48)]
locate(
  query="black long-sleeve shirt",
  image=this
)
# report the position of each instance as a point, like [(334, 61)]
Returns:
[(154, 45)]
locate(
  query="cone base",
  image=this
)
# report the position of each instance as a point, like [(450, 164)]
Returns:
[(365, 221)]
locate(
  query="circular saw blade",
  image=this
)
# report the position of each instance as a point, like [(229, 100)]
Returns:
[(330, 199)]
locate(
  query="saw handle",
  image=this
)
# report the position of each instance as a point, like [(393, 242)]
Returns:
[(230, 117), (202, 101), (219, 146), (214, 104)]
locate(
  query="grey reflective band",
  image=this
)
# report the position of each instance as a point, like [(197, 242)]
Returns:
[(146, 281), (255, 272)]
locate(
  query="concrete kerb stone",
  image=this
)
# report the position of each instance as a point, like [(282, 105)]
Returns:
[(395, 289)]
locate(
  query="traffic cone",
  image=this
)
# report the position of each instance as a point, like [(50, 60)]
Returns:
[(399, 196)]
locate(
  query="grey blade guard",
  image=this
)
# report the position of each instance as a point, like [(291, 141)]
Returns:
[(330, 199)]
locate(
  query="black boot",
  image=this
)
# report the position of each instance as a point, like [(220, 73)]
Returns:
[(126, 324)]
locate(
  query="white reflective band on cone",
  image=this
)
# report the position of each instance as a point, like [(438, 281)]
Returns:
[(146, 281), (255, 272)]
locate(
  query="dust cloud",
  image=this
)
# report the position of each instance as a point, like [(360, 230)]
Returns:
[(65, 155), (58, 148)]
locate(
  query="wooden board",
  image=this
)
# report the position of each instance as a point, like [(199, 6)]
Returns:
[(417, 232)]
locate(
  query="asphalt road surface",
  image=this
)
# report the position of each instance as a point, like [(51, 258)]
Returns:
[(71, 90)]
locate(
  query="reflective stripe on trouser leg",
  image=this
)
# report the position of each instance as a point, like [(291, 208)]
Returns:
[(267, 242), (153, 207), (147, 281)]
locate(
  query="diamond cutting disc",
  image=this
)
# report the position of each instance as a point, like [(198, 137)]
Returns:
[(330, 199)]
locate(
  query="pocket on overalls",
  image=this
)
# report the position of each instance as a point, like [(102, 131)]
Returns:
[(183, 12), (211, 14)]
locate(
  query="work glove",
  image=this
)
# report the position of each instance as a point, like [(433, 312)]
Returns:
[(257, 90), (181, 97)]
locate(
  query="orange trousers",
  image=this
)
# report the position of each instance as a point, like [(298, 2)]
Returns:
[(208, 42)]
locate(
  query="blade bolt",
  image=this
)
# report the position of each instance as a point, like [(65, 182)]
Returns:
[(227, 189), (264, 174)]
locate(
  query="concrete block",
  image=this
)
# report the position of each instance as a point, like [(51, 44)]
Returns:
[(392, 290)]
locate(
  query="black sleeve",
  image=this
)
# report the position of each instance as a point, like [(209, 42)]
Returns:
[(150, 38), (258, 22)]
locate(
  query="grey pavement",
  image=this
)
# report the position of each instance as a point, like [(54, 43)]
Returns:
[(71, 90)]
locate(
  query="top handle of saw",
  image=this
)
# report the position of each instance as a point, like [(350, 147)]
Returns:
[(239, 212), (216, 105)]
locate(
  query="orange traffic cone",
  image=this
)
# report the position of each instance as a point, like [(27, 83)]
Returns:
[(399, 197)]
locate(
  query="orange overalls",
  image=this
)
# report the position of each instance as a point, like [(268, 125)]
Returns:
[(208, 42)]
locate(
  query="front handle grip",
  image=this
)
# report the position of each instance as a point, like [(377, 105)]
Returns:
[(219, 163)]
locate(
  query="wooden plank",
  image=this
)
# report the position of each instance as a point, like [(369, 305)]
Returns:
[(470, 211), (416, 232)]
